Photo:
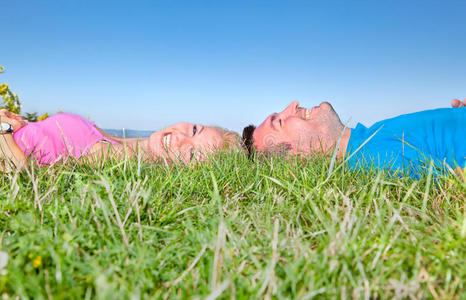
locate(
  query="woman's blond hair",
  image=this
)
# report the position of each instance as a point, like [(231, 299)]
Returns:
[(231, 140)]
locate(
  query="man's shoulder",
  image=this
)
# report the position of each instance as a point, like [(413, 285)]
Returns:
[(434, 113), (423, 118)]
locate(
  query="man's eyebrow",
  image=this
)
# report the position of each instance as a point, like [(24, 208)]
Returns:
[(274, 116)]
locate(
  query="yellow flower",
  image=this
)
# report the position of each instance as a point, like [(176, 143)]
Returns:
[(37, 262), (43, 117)]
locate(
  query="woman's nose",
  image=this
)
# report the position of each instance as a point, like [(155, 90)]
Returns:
[(180, 138)]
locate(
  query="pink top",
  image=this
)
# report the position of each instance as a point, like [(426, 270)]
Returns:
[(58, 137)]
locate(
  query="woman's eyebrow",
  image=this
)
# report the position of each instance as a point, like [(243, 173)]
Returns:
[(202, 129)]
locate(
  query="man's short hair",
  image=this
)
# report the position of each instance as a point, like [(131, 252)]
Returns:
[(248, 142)]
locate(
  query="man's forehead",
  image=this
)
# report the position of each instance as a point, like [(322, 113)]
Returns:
[(259, 129), (266, 122), (262, 135)]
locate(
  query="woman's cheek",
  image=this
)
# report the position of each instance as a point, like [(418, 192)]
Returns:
[(156, 142), (185, 152)]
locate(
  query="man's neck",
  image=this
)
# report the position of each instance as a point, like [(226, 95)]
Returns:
[(344, 143)]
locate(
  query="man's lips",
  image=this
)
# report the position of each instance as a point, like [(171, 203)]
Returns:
[(305, 113)]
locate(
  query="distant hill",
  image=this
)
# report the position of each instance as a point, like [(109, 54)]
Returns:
[(129, 133)]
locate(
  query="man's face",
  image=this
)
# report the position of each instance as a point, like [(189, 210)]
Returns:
[(299, 129)]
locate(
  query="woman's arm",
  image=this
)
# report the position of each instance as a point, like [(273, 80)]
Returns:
[(129, 148), (102, 151), (11, 156), (11, 118)]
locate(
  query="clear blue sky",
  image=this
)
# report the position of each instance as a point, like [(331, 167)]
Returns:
[(146, 64)]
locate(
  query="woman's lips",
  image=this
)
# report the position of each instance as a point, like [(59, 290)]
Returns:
[(166, 140)]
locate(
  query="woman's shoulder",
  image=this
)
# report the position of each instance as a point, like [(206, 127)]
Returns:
[(66, 118), (63, 115)]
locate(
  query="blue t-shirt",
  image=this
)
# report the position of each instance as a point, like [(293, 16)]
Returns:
[(407, 143)]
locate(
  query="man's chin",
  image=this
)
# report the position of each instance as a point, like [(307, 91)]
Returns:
[(327, 106)]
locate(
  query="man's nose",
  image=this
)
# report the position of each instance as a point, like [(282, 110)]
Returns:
[(290, 110)]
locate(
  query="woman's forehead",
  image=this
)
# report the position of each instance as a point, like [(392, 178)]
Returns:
[(211, 135), (181, 124)]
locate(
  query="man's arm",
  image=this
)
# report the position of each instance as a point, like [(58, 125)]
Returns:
[(458, 103), (11, 156), (460, 171)]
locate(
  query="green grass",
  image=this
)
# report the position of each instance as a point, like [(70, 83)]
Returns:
[(232, 229)]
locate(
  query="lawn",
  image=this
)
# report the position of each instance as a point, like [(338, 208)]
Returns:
[(230, 229)]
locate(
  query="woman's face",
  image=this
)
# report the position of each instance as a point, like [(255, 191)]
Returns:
[(185, 141)]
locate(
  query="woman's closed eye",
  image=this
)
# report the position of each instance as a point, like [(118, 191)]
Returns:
[(194, 129)]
